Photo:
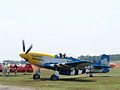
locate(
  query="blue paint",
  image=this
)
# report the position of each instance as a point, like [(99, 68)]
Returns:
[(102, 58), (105, 70)]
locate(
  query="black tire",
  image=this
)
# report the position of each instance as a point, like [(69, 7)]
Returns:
[(91, 75), (36, 76), (54, 77)]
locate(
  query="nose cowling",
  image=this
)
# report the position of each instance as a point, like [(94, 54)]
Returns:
[(22, 55)]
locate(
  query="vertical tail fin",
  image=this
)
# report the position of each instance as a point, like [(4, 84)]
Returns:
[(104, 60)]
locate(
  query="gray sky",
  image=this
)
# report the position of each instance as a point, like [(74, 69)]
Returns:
[(76, 27)]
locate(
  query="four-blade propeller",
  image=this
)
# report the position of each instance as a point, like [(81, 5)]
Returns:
[(26, 52)]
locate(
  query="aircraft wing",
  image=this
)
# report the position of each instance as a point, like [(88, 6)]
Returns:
[(78, 65)]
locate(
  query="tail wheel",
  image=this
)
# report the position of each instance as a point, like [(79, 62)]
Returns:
[(36, 76), (54, 77)]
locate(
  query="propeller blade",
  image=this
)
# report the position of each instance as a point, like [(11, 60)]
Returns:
[(29, 49), (23, 45)]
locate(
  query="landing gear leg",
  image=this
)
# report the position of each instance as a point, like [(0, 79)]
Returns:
[(90, 75), (55, 76), (36, 74)]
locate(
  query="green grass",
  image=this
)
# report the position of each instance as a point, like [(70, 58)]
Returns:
[(106, 81)]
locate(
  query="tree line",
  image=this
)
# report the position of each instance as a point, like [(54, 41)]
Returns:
[(113, 57)]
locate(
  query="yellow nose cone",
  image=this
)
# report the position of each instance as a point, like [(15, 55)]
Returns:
[(22, 55)]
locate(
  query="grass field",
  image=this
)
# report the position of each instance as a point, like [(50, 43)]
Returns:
[(107, 81)]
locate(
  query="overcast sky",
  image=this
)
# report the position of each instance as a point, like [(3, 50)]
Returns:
[(76, 27)]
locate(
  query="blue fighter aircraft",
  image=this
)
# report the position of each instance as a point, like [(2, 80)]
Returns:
[(60, 64)]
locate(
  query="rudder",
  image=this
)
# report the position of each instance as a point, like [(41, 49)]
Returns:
[(104, 60)]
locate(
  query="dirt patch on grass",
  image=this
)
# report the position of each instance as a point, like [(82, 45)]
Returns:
[(5, 87)]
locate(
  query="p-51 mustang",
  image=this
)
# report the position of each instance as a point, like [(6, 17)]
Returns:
[(60, 65), (101, 66)]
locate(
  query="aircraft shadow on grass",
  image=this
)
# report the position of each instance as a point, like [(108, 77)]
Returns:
[(83, 79), (77, 80), (67, 79), (103, 76)]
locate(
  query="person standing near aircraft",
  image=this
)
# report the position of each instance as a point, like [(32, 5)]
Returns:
[(15, 69), (8, 68), (4, 69)]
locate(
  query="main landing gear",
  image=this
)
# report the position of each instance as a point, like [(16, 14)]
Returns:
[(36, 74), (55, 76), (90, 75)]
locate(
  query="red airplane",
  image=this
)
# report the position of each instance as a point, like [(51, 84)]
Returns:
[(20, 68)]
